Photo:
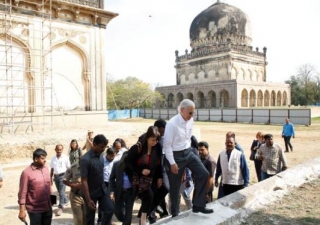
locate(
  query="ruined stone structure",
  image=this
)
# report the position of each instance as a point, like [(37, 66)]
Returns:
[(222, 69), (52, 62)]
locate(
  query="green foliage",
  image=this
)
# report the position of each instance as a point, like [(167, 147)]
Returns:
[(130, 93), (305, 86)]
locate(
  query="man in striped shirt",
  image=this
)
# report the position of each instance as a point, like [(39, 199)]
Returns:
[(273, 159)]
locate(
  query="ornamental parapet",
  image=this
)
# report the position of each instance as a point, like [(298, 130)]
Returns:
[(222, 48)]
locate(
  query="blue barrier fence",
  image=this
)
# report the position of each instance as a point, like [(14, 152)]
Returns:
[(122, 114)]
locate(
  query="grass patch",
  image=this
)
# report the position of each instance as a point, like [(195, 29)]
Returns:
[(315, 119)]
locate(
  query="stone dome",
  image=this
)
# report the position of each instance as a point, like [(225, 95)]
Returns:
[(218, 24)]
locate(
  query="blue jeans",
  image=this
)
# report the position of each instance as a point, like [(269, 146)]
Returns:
[(61, 188), (40, 218), (264, 175)]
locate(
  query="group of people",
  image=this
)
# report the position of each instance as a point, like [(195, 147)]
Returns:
[(269, 158), (165, 159)]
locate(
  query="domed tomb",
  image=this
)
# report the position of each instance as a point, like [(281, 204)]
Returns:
[(219, 24)]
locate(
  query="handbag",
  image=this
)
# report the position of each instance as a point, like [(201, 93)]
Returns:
[(252, 155), (141, 184)]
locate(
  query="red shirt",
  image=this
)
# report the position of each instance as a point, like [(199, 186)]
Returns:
[(35, 189)]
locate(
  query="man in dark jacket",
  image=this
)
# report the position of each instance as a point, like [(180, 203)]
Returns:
[(122, 193)]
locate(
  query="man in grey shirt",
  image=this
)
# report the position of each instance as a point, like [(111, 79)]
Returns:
[(177, 143), (93, 187)]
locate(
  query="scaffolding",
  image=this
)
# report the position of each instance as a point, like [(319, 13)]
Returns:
[(22, 60)]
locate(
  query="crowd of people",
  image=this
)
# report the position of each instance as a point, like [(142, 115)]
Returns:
[(165, 164)]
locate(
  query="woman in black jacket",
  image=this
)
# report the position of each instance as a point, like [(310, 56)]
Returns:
[(254, 147), (144, 160)]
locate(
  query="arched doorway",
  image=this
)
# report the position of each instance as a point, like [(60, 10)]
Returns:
[(279, 98), (212, 99), (260, 98), (200, 99), (284, 98), (179, 98), (266, 98), (224, 98), (252, 98), (170, 100), (273, 98), (190, 96), (244, 98)]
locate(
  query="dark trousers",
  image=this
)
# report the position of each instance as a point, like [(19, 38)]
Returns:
[(265, 175), (220, 189), (99, 208), (146, 200), (159, 195), (126, 199), (257, 165), (187, 158), (40, 218), (287, 142), (107, 208), (229, 189)]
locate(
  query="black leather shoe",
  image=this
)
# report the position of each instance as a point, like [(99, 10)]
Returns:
[(204, 210)]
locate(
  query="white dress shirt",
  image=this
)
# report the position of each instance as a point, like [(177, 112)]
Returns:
[(60, 165), (107, 168), (177, 136)]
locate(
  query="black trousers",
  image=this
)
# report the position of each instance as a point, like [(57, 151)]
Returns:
[(257, 165), (146, 200), (107, 208), (229, 189), (124, 206), (187, 158), (44, 218), (287, 142)]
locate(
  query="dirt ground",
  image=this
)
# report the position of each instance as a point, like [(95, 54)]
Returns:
[(15, 155), (300, 207)]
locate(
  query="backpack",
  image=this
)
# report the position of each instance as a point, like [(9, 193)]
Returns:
[(122, 165)]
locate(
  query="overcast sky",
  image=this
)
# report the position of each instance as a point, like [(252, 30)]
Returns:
[(141, 41)]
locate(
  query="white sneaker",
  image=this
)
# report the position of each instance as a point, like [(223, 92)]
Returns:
[(59, 212)]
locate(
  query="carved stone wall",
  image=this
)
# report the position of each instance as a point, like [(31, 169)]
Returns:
[(58, 61)]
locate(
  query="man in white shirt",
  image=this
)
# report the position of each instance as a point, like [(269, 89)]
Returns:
[(59, 165), (177, 143)]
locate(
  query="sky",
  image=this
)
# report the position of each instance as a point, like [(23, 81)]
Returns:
[(142, 40)]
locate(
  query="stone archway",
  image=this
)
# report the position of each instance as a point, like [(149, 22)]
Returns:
[(70, 71), (279, 98), (17, 82), (273, 98), (284, 98), (252, 98), (200, 100), (224, 98), (190, 96), (244, 98), (212, 99), (260, 98), (171, 101), (266, 98), (179, 98)]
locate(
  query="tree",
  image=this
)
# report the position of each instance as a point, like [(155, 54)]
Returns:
[(130, 93), (306, 75), (305, 86)]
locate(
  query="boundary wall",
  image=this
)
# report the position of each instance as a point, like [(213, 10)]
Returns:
[(232, 209), (256, 116)]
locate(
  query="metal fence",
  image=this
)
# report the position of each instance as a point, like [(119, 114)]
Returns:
[(256, 116)]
